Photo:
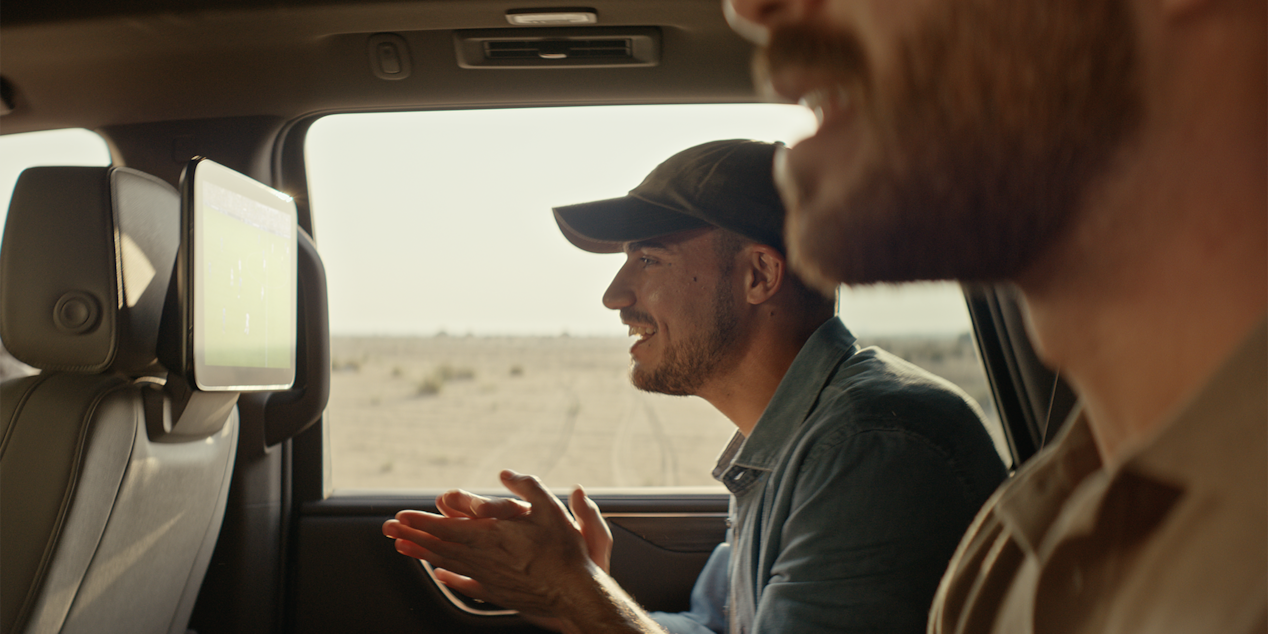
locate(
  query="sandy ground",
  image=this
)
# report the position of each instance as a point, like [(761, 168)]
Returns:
[(442, 412)]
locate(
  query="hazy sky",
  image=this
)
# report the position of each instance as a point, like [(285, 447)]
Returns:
[(441, 221), (464, 238)]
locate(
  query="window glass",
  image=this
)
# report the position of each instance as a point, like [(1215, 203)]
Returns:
[(468, 335), (52, 147)]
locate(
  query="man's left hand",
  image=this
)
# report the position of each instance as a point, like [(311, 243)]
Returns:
[(522, 555)]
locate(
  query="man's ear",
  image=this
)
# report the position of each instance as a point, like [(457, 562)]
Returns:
[(766, 270)]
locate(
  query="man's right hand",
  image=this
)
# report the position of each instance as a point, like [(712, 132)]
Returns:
[(459, 503), (532, 556)]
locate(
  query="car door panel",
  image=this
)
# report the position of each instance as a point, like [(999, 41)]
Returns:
[(347, 574)]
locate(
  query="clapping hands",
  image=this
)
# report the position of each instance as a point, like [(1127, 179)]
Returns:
[(524, 554)]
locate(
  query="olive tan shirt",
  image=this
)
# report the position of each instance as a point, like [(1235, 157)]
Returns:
[(1173, 540)]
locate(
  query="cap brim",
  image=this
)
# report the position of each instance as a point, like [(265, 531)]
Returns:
[(603, 226)]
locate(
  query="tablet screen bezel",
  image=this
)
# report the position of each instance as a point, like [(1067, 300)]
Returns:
[(200, 175)]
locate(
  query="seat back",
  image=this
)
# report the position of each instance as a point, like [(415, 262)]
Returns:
[(112, 482)]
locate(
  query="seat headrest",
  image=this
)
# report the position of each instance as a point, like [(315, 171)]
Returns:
[(84, 268)]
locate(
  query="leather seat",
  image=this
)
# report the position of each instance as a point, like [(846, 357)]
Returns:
[(113, 478)]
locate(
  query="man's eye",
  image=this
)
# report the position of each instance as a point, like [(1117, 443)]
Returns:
[(646, 261)]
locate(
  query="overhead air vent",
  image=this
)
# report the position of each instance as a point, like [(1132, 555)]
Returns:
[(558, 48), (613, 49)]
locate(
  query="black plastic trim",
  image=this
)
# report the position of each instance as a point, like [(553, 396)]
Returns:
[(1032, 399)]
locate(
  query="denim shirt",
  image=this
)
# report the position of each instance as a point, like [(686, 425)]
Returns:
[(849, 496)]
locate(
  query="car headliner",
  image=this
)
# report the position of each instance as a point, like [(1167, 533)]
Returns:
[(96, 64)]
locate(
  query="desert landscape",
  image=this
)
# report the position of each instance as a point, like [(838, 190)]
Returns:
[(432, 413), (444, 411)]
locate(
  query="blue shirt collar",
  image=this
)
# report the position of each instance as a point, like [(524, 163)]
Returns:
[(796, 395)]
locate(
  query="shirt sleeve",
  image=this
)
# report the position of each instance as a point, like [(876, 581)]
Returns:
[(708, 599), (873, 519)]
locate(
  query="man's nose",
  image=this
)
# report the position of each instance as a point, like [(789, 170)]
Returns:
[(754, 18), (619, 294)]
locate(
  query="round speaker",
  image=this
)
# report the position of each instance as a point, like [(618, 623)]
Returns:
[(77, 313)]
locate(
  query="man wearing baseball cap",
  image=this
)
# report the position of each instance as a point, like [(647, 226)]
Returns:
[(853, 473)]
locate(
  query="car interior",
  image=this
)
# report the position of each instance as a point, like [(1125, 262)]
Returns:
[(131, 501)]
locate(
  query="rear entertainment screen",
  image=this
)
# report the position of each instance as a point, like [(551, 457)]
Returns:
[(241, 278)]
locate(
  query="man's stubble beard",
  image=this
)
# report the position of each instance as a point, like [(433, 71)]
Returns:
[(687, 366), (987, 135)]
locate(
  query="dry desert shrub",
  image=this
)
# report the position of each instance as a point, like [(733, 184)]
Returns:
[(429, 386), (447, 373)]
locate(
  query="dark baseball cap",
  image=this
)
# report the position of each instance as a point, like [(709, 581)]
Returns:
[(727, 184)]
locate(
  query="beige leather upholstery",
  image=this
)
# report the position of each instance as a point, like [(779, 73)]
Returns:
[(111, 491)]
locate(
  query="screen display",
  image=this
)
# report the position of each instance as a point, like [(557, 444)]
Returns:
[(243, 265)]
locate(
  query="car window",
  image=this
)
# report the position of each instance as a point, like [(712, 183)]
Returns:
[(468, 335), (52, 147)]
